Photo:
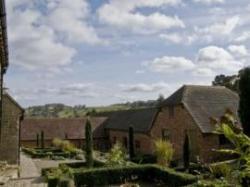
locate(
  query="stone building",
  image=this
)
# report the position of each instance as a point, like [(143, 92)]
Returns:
[(9, 140)]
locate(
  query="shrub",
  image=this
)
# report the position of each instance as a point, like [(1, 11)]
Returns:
[(146, 173), (240, 171), (89, 144), (131, 143), (164, 152), (244, 104), (56, 142), (42, 140), (220, 169), (116, 155), (186, 152), (37, 140)]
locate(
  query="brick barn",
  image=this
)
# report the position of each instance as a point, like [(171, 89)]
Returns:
[(72, 129), (187, 112)]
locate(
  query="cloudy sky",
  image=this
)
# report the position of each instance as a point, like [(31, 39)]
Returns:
[(102, 52)]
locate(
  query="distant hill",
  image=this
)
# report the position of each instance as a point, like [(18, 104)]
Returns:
[(58, 110)]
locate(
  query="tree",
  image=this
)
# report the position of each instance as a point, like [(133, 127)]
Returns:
[(42, 139), (131, 143), (89, 144), (160, 100), (244, 105), (230, 82), (37, 140), (186, 152)]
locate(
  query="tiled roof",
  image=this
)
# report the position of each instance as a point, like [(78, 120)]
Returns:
[(204, 102), (59, 128), (140, 119)]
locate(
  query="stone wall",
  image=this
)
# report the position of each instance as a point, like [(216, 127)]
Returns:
[(9, 144)]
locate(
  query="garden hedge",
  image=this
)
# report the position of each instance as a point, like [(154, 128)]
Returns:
[(118, 175), (43, 153)]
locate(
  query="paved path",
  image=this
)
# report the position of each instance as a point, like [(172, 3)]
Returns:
[(28, 168), (29, 174)]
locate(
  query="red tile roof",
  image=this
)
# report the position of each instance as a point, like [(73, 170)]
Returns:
[(61, 127)]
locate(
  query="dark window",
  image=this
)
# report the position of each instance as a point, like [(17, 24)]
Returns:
[(223, 140), (125, 142), (137, 144), (165, 134), (171, 111)]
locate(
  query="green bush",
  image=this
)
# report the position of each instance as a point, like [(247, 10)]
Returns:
[(115, 175), (222, 169), (164, 152), (116, 155)]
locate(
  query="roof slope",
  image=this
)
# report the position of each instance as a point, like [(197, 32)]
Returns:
[(204, 102), (60, 127), (140, 119)]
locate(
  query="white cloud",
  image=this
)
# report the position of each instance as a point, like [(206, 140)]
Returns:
[(35, 46), (208, 2), (174, 38), (222, 28), (123, 14), (217, 58), (169, 64), (36, 40), (73, 24), (142, 87), (238, 50), (243, 37), (203, 72)]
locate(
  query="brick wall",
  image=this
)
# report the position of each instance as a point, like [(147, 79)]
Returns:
[(143, 142), (9, 145), (178, 122)]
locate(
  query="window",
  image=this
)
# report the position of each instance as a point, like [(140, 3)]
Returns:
[(171, 111), (137, 144), (223, 140), (165, 134), (125, 142)]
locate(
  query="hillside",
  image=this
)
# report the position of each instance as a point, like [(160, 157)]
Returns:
[(58, 110)]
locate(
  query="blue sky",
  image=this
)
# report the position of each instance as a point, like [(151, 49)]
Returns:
[(102, 52)]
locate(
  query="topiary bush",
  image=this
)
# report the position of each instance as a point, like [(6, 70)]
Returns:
[(89, 144)]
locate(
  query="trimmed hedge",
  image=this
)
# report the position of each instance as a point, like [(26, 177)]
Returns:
[(43, 153), (77, 165), (117, 175)]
